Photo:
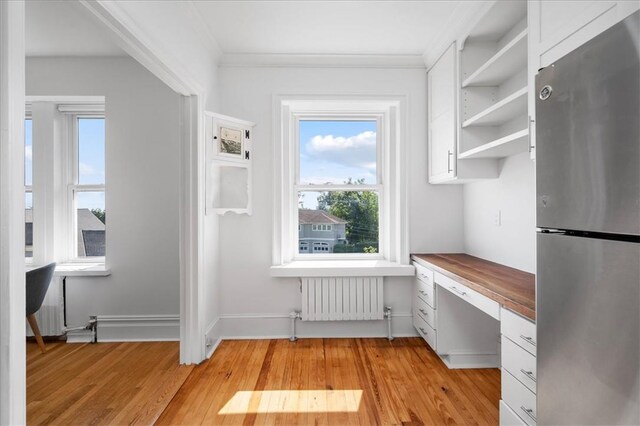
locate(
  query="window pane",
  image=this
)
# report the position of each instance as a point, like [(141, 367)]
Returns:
[(91, 151), (28, 152), (337, 152), (91, 219), (338, 222), (28, 224)]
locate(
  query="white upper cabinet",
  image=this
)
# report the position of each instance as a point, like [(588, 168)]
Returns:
[(441, 87), (557, 27), (443, 80)]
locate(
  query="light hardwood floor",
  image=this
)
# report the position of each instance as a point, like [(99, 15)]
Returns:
[(312, 381)]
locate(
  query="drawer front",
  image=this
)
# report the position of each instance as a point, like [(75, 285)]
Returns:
[(481, 302), (426, 292), (427, 333), (424, 274), (521, 400), (520, 363), (508, 417), (519, 330), (426, 312)]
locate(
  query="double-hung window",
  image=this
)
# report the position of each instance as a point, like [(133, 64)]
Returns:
[(338, 184), (341, 191), (87, 187)]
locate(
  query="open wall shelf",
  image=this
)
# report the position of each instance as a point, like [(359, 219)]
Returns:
[(502, 111), (506, 146), (507, 62)]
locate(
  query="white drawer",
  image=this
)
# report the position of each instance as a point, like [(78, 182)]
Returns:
[(519, 330), (508, 417), (424, 274), (521, 400), (425, 311), (520, 363), (481, 302), (427, 333), (425, 292)]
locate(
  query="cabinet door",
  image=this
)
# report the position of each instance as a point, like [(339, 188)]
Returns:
[(557, 27), (441, 117), (563, 25)]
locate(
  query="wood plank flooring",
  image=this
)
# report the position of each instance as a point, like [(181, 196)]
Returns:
[(312, 381)]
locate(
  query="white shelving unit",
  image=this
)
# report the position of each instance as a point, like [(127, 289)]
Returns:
[(511, 144), (502, 111), (228, 159), (493, 84), (505, 63)]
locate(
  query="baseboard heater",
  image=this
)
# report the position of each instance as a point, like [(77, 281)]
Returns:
[(341, 299), (50, 316)]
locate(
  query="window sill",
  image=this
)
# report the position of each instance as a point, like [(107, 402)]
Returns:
[(342, 268), (82, 270)]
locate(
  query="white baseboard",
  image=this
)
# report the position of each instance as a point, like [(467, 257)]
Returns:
[(278, 326), (80, 336), (213, 336), (138, 328)]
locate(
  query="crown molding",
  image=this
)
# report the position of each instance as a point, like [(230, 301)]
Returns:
[(320, 61)]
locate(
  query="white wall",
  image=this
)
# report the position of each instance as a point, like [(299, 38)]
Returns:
[(253, 303), (142, 199), (513, 194)]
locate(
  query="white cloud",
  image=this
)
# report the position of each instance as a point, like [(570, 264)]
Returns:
[(86, 169), (28, 153), (354, 151)]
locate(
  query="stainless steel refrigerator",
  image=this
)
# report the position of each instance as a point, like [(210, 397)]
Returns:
[(588, 215)]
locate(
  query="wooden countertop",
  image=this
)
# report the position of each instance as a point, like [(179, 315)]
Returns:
[(512, 288)]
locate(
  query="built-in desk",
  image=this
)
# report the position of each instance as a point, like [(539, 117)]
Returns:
[(512, 288), (480, 314)]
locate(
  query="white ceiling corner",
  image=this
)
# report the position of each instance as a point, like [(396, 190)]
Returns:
[(65, 28)]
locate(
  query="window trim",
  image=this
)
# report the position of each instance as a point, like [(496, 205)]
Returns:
[(394, 219)]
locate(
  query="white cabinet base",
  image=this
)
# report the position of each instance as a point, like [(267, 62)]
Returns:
[(508, 417), (454, 361)]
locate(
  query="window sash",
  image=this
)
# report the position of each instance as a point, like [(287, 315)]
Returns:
[(378, 118), (378, 187), (73, 188), (311, 255)]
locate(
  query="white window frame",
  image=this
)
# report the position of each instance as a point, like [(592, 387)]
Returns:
[(322, 227), (391, 186), (71, 168), (378, 187)]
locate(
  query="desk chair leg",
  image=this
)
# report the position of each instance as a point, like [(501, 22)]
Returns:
[(34, 326)]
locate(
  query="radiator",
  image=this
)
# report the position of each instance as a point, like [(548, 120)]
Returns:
[(50, 317), (340, 299)]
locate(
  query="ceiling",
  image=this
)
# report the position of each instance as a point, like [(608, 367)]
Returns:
[(326, 27), (65, 28)]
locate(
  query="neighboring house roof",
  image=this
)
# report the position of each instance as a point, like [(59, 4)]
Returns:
[(91, 235), (306, 216)]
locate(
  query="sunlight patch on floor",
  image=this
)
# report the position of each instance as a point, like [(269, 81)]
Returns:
[(293, 401)]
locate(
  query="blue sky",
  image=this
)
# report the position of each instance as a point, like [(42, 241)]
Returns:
[(334, 151), (91, 153)]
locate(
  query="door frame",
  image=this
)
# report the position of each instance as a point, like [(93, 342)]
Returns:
[(134, 42), (12, 267)]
